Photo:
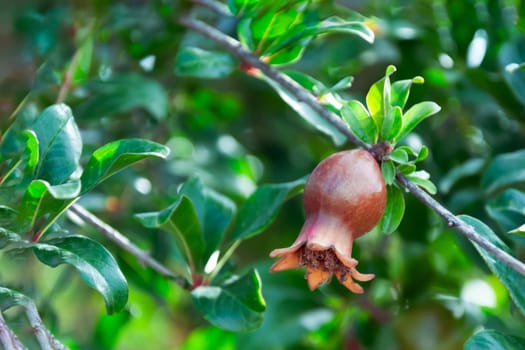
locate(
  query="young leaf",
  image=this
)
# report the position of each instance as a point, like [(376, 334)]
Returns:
[(422, 154), (59, 143), (401, 90), (236, 305), (356, 117), (421, 178), (399, 155), (261, 208), (505, 170), (96, 266), (493, 340), (389, 171), (378, 98), (122, 93), (199, 63), (416, 114), (115, 156), (392, 125), (394, 211), (512, 279)]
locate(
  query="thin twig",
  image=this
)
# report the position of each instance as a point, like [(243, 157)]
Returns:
[(235, 48), (123, 242), (46, 340), (8, 339)]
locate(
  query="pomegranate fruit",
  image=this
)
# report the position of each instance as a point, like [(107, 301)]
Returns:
[(344, 198)]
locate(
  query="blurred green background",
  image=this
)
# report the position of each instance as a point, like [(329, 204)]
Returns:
[(432, 290)]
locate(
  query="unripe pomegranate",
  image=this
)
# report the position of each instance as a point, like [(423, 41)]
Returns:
[(344, 198)]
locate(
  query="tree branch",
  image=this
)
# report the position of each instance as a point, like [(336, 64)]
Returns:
[(8, 339), (123, 242), (235, 48), (46, 340)]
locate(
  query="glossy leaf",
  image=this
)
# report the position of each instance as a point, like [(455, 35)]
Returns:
[(422, 179), (359, 121), (508, 209), (378, 98), (59, 143), (388, 170), (308, 114), (274, 23), (236, 305), (196, 62), (261, 208), (494, 340), (401, 90), (512, 279), (122, 93), (394, 210), (505, 170), (416, 114), (117, 155), (399, 155), (96, 266), (392, 124), (336, 24), (422, 154)]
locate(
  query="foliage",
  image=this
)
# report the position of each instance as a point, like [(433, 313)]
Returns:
[(199, 159)]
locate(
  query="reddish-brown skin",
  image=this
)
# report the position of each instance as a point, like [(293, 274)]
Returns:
[(349, 185)]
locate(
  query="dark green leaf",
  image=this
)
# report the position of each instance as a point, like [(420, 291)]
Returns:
[(389, 171), (508, 209), (416, 114), (513, 52), (394, 211), (236, 305), (359, 121), (195, 62), (512, 279), (122, 93), (494, 340), (261, 208), (505, 170), (470, 167), (59, 142), (96, 266), (117, 155)]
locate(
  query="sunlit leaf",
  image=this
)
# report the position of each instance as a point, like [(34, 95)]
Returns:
[(359, 121), (416, 114), (392, 124), (422, 179), (401, 90), (117, 155)]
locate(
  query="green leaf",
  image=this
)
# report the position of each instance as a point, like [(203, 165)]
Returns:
[(407, 169), (378, 98), (359, 121), (261, 208), (59, 142), (517, 231), (394, 210), (121, 94), (96, 266), (10, 298), (336, 24), (182, 221), (399, 155), (421, 178), (389, 171), (512, 279), (505, 170), (470, 167), (401, 90), (115, 156), (416, 114), (392, 125), (507, 209), (307, 113), (494, 340), (422, 154), (274, 23), (196, 62), (209, 338), (513, 52), (236, 305), (81, 62)]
